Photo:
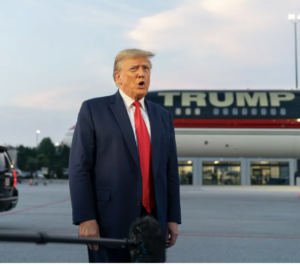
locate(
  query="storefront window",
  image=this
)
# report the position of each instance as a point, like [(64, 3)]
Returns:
[(270, 173), (221, 173), (185, 172)]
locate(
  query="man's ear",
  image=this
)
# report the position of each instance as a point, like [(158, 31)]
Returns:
[(118, 78)]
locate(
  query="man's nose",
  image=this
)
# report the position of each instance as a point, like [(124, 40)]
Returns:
[(141, 72)]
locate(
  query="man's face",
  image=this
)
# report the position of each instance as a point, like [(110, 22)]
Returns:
[(134, 77)]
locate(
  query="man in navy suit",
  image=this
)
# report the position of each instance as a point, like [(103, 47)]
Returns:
[(123, 161)]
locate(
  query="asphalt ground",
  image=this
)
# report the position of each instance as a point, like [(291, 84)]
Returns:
[(220, 224)]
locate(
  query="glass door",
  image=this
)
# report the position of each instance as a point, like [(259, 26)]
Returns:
[(270, 173), (185, 169), (221, 173)]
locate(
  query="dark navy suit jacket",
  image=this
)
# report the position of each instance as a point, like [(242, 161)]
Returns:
[(104, 172)]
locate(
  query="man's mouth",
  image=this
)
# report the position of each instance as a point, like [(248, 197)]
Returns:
[(141, 84)]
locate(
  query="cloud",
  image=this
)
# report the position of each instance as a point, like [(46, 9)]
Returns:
[(65, 98), (53, 99), (91, 15), (220, 43), (218, 27), (91, 77), (60, 99)]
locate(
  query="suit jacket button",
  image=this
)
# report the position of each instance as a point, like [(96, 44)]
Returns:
[(138, 202)]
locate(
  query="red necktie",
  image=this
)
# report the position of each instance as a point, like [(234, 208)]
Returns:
[(145, 154)]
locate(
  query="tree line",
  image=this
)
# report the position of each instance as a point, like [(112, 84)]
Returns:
[(47, 155)]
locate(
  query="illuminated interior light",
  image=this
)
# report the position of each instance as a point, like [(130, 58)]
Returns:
[(190, 162), (298, 120), (216, 162)]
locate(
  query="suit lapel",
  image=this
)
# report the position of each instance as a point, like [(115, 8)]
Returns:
[(155, 135), (119, 110)]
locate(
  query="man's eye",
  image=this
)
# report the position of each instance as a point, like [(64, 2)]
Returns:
[(133, 69)]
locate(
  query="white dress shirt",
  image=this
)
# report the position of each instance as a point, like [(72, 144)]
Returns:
[(130, 110)]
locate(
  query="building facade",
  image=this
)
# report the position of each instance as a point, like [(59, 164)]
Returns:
[(215, 171)]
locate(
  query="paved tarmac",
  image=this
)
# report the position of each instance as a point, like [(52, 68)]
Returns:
[(220, 224)]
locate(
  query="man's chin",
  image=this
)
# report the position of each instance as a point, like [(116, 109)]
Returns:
[(141, 93)]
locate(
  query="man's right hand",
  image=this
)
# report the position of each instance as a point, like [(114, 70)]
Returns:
[(89, 229)]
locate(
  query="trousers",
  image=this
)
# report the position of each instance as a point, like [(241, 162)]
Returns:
[(108, 255)]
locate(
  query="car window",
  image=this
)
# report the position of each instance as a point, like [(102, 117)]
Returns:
[(2, 162), (7, 163)]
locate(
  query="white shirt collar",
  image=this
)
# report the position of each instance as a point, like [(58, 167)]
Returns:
[(128, 100)]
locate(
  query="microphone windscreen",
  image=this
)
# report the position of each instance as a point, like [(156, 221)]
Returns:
[(152, 245)]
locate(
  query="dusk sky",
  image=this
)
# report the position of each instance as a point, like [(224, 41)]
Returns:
[(54, 54)]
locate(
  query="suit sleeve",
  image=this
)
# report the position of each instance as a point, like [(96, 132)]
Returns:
[(80, 166), (174, 212)]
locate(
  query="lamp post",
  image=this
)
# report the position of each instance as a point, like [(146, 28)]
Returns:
[(34, 175), (57, 145), (37, 138), (295, 19)]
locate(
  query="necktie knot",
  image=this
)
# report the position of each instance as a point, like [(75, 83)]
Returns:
[(136, 103)]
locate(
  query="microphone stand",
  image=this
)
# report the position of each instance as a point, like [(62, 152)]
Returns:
[(146, 243), (44, 238)]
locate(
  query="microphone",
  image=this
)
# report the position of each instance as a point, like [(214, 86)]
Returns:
[(150, 245)]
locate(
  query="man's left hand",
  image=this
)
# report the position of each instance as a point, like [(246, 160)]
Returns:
[(172, 234)]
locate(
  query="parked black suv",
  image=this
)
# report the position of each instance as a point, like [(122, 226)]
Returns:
[(8, 182)]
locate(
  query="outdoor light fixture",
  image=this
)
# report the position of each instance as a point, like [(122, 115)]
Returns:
[(295, 19), (292, 16), (37, 138), (57, 144)]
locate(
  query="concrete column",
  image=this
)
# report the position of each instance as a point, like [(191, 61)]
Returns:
[(292, 170), (195, 171), (200, 172), (244, 172), (247, 171)]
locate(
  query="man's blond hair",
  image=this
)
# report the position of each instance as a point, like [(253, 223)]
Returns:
[(130, 54)]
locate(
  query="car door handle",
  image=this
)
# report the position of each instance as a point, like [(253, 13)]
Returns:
[(8, 174)]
